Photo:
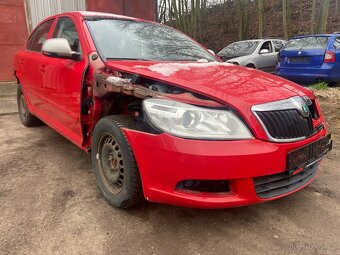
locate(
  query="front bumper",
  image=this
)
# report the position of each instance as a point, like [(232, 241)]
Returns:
[(164, 161)]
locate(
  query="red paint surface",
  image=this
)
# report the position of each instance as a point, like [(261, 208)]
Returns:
[(13, 34), (163, 160), (237, 86)]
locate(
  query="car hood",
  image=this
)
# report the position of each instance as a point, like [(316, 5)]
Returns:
[(226, 83), (238, 59)]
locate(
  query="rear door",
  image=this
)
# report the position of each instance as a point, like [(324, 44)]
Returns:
[(305, 52), (62, 82)]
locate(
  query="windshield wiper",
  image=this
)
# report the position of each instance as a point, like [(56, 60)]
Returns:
[(137, 59)]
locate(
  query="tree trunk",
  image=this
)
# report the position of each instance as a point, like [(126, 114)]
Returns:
[(243, 19), (336, 8), (324, 12), (198, 20), (285, 19), (312, 26), (260, 18)]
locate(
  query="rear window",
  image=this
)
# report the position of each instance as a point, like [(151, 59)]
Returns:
[(337, 43), (308, 43)]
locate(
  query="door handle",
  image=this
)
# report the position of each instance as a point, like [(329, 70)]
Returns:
[(43, 69)]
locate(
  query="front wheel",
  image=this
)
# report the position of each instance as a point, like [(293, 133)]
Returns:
[(251, 66), (114, 164)]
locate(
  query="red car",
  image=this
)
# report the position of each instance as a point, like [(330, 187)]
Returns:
[(163, 118)]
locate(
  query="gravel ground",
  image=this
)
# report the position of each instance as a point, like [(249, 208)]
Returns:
[(332, 93), (50, 205)]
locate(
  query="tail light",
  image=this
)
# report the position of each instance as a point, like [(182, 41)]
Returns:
[(329, 57)]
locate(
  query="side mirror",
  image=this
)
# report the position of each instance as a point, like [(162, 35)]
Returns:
[(212, 52), (264, 51), (59, 48)]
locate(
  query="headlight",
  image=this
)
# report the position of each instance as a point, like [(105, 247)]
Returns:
[(190, 121)]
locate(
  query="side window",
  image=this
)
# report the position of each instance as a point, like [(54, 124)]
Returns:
[(337, 43), (65, 28), (267, 46), (278, 45), (39, 36)]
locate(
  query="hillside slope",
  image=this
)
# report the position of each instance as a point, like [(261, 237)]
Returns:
[(221, 25)]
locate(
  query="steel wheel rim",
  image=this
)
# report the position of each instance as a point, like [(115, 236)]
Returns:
[(110, 163)]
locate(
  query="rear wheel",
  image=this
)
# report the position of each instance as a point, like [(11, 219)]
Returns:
[(27, 119), (114, 163)]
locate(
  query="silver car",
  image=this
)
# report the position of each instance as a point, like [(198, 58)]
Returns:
[(260, 54)]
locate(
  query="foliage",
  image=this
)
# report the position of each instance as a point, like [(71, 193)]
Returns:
[(216, 23), (320, 86)]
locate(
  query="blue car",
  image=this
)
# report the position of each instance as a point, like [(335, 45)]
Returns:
[(312, 58)]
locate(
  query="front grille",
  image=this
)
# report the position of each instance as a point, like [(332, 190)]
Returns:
[(278, 184), (286, 124)]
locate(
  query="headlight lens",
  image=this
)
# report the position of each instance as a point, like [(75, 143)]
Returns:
[(190, 121)]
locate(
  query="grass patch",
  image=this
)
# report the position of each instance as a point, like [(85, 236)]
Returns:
[(320, 86)]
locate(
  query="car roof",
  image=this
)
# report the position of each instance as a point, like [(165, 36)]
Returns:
[(261, 40), (314, 35), (85, 14)]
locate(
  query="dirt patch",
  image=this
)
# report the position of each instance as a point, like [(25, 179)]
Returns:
[(330, 93)]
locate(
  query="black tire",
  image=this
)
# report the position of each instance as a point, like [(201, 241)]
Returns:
[(27, 119), (251, 66), (114, 164)]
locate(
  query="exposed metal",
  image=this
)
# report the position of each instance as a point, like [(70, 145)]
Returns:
[(110, 162), (106, 84)]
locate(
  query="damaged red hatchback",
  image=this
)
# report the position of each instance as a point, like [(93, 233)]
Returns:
[(164, 118)]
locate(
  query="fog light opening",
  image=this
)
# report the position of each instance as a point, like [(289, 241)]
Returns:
[(209, 186)]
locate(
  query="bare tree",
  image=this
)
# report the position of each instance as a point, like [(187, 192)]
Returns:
[(260, 17), (312, 20), (285, 19), (323, 18), (243, 19)]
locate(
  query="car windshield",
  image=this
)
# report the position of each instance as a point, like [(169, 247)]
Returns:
[(239, 48), (127, 39), (308, 43)]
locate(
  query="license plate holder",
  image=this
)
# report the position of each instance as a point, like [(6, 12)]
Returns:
[(309, 153)]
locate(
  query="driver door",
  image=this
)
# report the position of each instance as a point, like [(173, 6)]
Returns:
[(267, 61), (62, 81)]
